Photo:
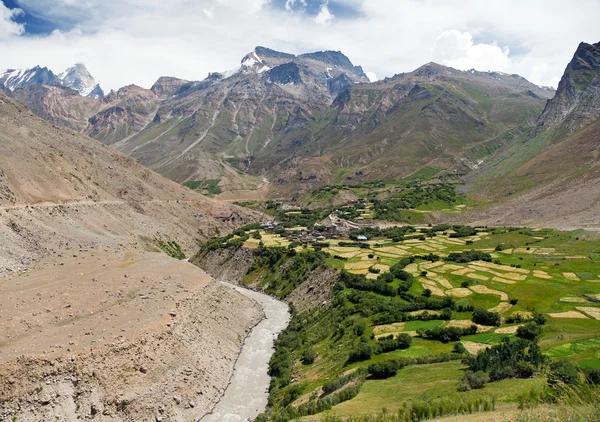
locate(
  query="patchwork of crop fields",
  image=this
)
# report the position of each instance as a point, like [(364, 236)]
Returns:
[(543, 271), (547, 272)]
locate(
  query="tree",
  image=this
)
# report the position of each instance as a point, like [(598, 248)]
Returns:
[(529, 331), (540, 319), (309, 356), (485, 317), (362, 352), (382, 370), (404, 341), (459, 348)]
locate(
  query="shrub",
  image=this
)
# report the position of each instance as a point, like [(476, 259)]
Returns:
[(309, 356), (404, 341), (359, 329), (473, 381), (524, 369), (459, 348), (465, 284), (563, 371), (514, 301), (592, 375)]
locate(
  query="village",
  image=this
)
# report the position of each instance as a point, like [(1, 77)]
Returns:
[(334, 226)]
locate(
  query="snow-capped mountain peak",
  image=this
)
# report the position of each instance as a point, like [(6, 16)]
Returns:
[(12, 79), (76, 77)]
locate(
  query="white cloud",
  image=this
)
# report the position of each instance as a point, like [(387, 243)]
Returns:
[(289, 4), (372, 76), (136, 41), (457, 49), (8, 27), (325, 17)]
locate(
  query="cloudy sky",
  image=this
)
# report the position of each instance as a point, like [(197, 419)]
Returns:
[(136, 41)]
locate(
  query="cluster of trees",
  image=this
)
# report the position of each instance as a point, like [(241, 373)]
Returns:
[(386, 369), (485, 317), (297, 269), (510, 359), (395, 233), (171, 248), (462, 231), (389, 209), (391, 311), (468, 256), (364, 351), (360, 282), (382, 284), (355, 245), (312, 407), (447, 334)]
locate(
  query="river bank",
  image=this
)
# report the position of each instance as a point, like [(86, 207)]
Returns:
[(247, 394)]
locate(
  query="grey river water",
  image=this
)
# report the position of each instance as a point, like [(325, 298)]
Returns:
[(247, 393)]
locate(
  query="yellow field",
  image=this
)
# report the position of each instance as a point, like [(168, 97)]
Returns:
[(568, 314), (591, 311)]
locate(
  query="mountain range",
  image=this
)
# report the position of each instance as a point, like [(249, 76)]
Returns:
[(75, 77), (302, 121)]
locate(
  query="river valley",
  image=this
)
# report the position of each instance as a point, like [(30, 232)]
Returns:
[(246, 396)]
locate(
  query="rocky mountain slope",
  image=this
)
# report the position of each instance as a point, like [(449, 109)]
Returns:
[(552, 177), (577, 100), (99, 323), (303, 120), (215, 128), (44, 166), (67, 99), (435, 117), (307, 120)]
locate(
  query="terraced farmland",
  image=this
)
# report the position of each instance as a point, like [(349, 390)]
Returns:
[(527, 273)]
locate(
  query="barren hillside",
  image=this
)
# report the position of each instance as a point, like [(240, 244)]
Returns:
[(96, 321)]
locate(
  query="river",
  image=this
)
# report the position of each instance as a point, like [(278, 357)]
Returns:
[(246, 396)]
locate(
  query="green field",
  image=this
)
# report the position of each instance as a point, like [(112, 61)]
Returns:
[(426, 382), (522, 274)]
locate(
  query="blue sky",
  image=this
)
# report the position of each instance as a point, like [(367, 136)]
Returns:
[(33, 25), (136, 41)]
